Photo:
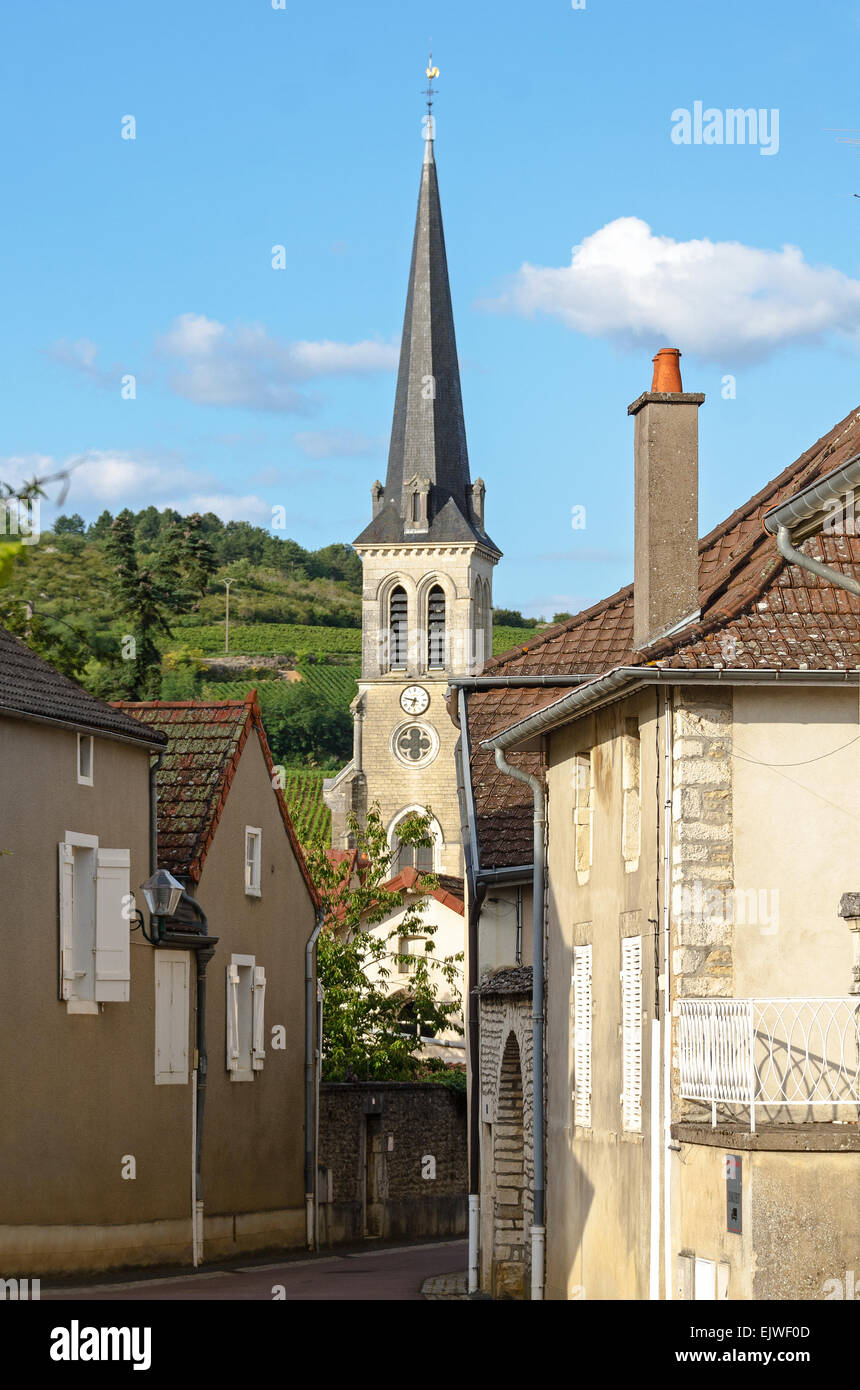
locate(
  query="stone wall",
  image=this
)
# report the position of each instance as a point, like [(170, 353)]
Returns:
[(507, 1119), (392, 1161), (703, 896)]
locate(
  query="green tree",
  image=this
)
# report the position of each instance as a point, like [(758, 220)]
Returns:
[(145, 602), (306, 730), (69, 525), (371, 1031), (511, 617)]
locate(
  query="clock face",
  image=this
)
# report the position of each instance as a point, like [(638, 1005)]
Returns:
[(414, 699)]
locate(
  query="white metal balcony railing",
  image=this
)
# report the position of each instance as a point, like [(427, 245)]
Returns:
[(769, 1052)]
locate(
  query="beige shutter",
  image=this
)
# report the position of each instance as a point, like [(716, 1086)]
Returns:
[(259, 1036), (232, 1017), (631, 1032), (113, 941), (172, 973), (582, 1036), (67, 920)]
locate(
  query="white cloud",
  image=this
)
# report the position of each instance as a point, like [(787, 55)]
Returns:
[(244, 366), (720, 300), (327, 444), (81, 354), (114, 480)]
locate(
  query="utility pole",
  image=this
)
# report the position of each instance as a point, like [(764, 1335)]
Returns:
[(227, 583)]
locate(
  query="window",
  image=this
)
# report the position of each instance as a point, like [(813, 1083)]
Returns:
[(246, 993), (420, 857), (95, 956), (85, 760), (397, 629), (583, 815), (631, 1032), (631, 817), (581, 1020), (409, 946), (172, 977), (416, 508), (436, 627), (253, 852)]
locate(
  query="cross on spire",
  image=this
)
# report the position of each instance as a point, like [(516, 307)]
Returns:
[(431, 72)]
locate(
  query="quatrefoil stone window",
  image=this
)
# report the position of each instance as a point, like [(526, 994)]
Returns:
[(415, 744)]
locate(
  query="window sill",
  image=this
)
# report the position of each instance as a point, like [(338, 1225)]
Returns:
[(82, 1006), (253, 893), (242, 1075)]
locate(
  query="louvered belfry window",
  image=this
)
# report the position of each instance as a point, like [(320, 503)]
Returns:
[(631, 1032), (398, 631), (581, 1023), (436, 627)]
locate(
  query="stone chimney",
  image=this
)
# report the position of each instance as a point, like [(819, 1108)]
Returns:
[(666, 451)]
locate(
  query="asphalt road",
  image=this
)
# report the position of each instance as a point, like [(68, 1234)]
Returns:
[(368, 1274)]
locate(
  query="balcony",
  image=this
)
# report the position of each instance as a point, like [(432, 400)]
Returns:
[(792, 1058)]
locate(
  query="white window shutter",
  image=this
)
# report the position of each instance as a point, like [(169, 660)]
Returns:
[(259, 1036), (113, 940), (67, 920), (631, 1032), (232, 1017), (582, 1036), (172, 972)]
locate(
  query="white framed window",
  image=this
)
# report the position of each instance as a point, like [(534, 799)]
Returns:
[(631, 1032), (580, 1008), (85, 760), (95, 944), (410, 946), (253, 858), (246, 996), (172, 1014), (631, 817), (583, 816)]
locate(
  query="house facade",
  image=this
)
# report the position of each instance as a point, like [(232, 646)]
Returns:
[(120, 1147), (695, 740)]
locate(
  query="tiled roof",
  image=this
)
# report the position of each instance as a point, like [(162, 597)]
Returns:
[(757, 611), (31, 687), (509, 979), (205, 743)]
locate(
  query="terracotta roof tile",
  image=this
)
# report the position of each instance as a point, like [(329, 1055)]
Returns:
[(205, 739), (756, 611)]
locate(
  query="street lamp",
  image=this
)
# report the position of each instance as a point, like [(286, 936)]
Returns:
[(162, 893)]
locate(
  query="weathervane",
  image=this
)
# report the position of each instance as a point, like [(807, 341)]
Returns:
[(429, 93)]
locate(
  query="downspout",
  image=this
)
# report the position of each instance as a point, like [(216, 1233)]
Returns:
[(204, 950), (310, 1050), (808, 562), (538, 1230), (153, 811), (476, 892), (668, 715)]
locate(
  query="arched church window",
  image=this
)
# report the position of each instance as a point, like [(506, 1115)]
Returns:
[(436, 627), (397, 628), (418, 856)]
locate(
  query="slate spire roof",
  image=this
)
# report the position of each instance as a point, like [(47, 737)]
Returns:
[(428, 434)]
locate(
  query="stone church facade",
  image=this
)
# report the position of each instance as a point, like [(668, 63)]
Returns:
[(427, 584)]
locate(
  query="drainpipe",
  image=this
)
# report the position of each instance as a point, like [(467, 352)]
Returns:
[(668, 713), (476, 894), (310, 1050), (153, 811), (538, 1230)]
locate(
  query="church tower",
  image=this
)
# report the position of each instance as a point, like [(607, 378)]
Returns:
[(428, 569)]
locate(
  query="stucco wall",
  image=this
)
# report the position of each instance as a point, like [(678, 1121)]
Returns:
[(797, 781), (77, 1092), (253, 1155), (598, 1179)]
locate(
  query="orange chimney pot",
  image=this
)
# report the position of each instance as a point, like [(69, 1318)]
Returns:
[(667, 370)]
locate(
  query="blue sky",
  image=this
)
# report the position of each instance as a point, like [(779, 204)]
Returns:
[(300, 127)]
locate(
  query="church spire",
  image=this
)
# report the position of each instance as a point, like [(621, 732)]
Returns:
[(428, 493)]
